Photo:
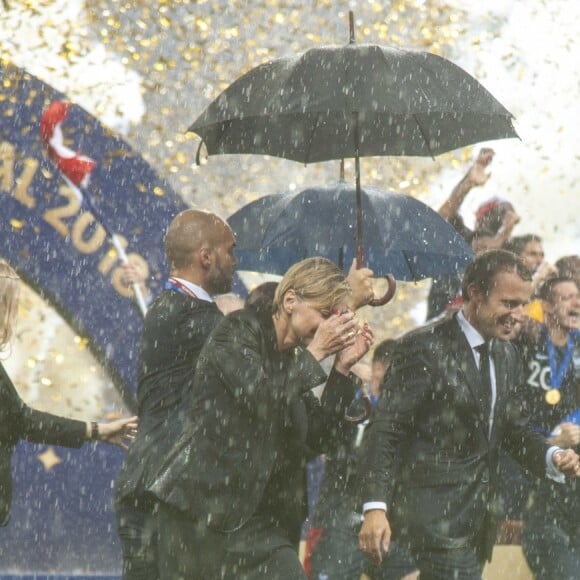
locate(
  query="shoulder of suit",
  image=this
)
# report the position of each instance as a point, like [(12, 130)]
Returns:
[(240, 319), (172, 299), (428, 332)]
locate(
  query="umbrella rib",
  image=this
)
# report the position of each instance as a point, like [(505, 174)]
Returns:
[(312, 138), (409, 261), (424, 135)]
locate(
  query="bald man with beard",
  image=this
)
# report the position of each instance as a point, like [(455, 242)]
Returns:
[(200, 253)]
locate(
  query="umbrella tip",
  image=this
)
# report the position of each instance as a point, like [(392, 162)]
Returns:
[(351, 26)]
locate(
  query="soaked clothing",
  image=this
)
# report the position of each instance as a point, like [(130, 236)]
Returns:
[(336, 556), (175, 330), (18, 421), (435, 423), (551, 537), (238, 470)]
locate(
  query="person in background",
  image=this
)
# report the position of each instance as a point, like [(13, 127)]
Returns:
[(495, 220), (432, 447), (225, 501), (334, 553), (551, 394), (530, 249), (495, 215), (18, 421), (569, 267)]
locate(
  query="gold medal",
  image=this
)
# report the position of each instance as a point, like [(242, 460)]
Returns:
[(553, 396)]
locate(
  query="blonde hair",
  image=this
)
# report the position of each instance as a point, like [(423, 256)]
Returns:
[(316, 280), (9, 294)]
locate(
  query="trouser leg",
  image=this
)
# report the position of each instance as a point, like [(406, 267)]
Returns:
[(190, 550), (137, 528), (459, 564)]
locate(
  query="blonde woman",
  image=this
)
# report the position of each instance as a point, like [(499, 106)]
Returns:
[(18, 421), (232, 491)]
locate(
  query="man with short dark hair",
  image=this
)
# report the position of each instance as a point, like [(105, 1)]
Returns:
[(530, 249), (451, 407), (200, 252)]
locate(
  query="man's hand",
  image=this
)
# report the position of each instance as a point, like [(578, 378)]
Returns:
[(360, 280), (375, 535), (510, 219), (350, 355), (133, 274), (478, 174), (566, 435), (567, 462)]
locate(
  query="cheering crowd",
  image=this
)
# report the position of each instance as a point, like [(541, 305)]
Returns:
[(464, 419)]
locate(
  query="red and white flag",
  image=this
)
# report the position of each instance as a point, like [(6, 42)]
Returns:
[(75, 166)]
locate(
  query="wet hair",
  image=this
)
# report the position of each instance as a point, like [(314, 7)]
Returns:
[(384, 351), (188, 232), (546, 290), (9, 294), (262, 296), (518, 243), (490, 214), (315, 280), (568, 266), (484, 268)]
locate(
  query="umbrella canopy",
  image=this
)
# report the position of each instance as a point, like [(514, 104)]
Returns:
[(355, 100), (402, 235)]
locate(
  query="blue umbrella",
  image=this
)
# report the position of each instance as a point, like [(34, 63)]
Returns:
[(401, 235)]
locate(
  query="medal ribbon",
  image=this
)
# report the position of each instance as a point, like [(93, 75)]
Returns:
[(557, 373), (177, 286)]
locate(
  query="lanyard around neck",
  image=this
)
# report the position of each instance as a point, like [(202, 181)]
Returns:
[(178, 286), (558, 372)]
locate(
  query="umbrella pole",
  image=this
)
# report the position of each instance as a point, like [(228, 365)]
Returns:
[(360, 250)]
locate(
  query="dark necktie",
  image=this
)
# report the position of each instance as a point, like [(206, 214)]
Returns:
[(484, 371)]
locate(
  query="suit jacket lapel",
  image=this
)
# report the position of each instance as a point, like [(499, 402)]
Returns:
[(466, 364)]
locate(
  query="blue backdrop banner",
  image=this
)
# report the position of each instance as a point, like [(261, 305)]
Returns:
[(62, 520)]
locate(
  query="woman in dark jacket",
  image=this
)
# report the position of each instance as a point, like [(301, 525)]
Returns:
[(18, 421), (230, 490)]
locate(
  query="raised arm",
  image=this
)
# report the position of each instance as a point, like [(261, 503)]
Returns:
[(476, 176)]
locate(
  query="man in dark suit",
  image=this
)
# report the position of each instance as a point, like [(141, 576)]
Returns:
[(200, 253), (452, 406)]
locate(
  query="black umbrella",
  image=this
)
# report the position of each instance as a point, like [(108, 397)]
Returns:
[(402, 235), (350, 101)]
